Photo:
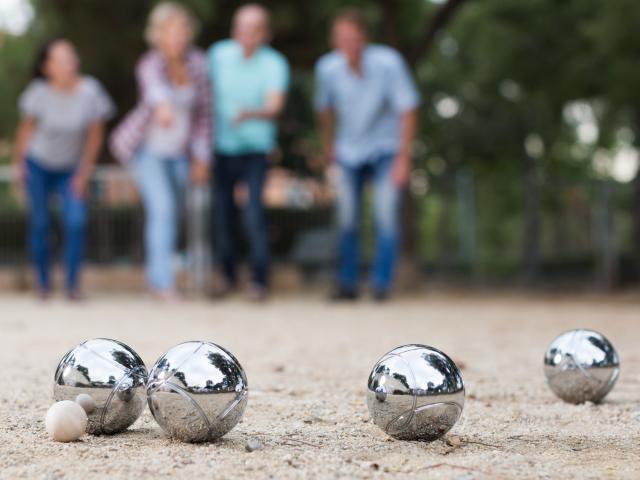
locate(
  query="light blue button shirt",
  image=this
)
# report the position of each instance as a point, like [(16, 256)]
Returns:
[(367, 106), (239, 84)]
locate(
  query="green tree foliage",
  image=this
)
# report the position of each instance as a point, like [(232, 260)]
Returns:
[(498, 84), (15, 64)]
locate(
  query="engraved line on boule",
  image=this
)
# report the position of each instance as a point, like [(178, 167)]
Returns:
[(172, 371), (233, 404), (107, 403), (439, 404), (390, 430), (108, 360), (418, 410), (574, 344), (414, 400), (60, 368), (151, 386), (594, 378), (177, 389), (608, 386), (586, 373), (569, 359)]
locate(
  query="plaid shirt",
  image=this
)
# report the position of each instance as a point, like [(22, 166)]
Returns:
[(154, 88)]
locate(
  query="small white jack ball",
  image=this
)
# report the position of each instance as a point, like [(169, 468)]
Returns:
[(87, 402), (66, 421)]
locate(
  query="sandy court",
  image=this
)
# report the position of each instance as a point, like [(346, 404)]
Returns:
[(307, 364)]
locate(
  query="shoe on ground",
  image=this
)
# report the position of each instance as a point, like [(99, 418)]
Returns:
[(168, 295), (257, 293), (380, 296), (44, 294), (221, 291), (342, 294), (75, 296)]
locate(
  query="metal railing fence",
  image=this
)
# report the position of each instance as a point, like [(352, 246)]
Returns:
[(462, 226)]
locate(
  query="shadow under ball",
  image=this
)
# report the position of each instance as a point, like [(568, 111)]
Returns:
[(112, 374), (581, 365), (415, 392), (197, 391)]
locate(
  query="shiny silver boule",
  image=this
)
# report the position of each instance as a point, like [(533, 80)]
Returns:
[(197, 391), (581, 365), (112, 374), (415, 392)]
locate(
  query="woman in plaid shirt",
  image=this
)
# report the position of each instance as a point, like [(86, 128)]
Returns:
[(167, 137)]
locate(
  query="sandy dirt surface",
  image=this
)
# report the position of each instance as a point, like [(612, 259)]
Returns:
[(307, 364)]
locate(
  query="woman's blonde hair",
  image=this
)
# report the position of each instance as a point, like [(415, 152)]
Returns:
[(163, 12)]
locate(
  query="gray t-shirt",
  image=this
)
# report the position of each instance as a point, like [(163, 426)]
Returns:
[(62, 119)]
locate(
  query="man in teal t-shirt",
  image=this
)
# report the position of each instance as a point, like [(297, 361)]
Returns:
[(249, 80)]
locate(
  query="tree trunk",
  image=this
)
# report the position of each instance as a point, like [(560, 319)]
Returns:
[(389, 22), (531, 241), (636, 224), (410, 263), (440, 20), (635, 208)]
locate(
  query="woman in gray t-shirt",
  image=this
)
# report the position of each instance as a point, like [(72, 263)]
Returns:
[(58, 141)]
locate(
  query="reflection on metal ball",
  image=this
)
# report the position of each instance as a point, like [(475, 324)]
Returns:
[(415, 392), (197, 391), (112, 374), (581, 365)]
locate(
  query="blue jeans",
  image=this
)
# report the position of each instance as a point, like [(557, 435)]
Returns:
[(41, 184), (228, 171), (386, 200), (162, 183)]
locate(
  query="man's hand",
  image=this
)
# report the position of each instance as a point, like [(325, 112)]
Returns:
[(273, 106), (19, 174), (79, 183), (329, 155), (243, 116), (402, 162), (327, 127), (163, 115), (25, 130), (401, 169), (199, 172)]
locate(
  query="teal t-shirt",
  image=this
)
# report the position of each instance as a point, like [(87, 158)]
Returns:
[(239, 84)]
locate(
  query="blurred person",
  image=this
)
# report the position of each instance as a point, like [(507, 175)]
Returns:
[(367, 104), (167, 137), (249, 81), (58, 142)]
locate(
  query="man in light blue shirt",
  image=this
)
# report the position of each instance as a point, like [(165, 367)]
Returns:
[(367, 104), (249, 80)]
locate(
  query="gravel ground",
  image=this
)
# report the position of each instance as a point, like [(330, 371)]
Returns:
[(307, 363)]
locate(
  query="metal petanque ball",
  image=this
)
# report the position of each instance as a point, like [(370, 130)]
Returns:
[(581, 366), (415, 392), (197, 391), (112, 374)]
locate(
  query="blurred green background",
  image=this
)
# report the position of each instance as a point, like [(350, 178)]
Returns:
[(526, 163)]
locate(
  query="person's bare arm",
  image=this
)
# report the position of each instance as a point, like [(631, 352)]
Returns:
[(273, 106), (403, 160), (23, 134), (327, 130), (92, 146)]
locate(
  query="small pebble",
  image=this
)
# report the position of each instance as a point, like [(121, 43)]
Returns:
[(253, 444), (453, 441), (87, 402), (66, 421)]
